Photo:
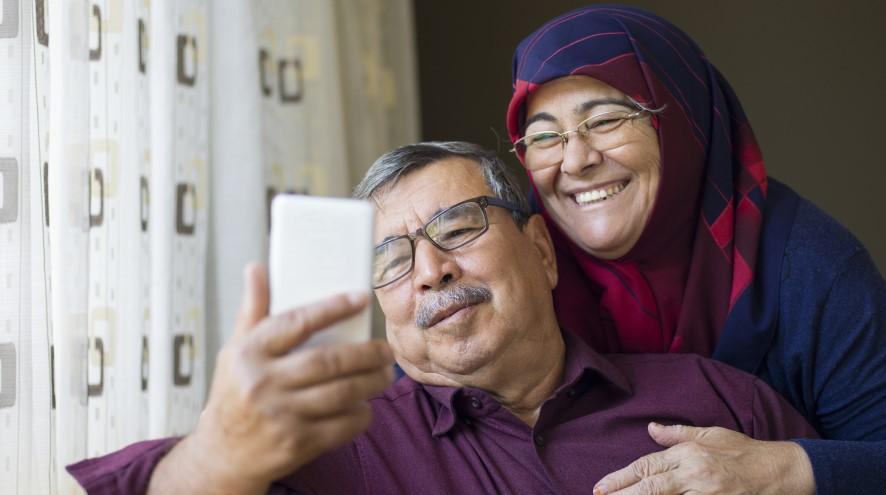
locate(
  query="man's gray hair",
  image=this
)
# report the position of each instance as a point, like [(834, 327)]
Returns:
[(391, 166)]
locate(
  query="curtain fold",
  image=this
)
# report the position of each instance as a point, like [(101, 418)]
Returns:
[(141, 142)]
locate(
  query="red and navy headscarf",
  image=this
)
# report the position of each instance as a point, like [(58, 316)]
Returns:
[(697, 254)]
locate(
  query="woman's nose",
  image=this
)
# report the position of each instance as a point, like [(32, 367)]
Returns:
[(433, 268), (579, 155)]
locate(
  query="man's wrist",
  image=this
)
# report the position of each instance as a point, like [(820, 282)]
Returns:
[(195, 466)]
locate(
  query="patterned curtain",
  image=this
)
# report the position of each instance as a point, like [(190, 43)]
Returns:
[(141, 142)]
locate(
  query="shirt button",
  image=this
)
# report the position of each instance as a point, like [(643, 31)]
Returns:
[(571, 393), (476, 404), (539, 440)]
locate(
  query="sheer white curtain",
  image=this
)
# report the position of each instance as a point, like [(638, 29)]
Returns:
[(140, 144)]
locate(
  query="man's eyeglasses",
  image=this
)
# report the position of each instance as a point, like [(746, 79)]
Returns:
[(449, 229), (605, 131)]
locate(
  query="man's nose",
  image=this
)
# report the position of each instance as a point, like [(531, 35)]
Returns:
[(579, 155), (433, 268)]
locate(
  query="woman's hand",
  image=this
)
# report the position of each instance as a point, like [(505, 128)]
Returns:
[(712, 460)]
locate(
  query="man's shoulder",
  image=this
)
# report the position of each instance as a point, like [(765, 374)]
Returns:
[(672, 360), (690, 371), (704, 392)]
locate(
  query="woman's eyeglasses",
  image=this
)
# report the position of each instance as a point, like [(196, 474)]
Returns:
[(604, 131)]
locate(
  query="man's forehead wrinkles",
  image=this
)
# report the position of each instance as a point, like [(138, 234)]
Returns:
[(415, 198), (399, 217)]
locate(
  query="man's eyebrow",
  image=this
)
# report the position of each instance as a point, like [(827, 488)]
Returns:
[(388, 238), (580, 109)]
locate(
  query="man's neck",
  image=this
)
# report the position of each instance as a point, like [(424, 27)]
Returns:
[(519, 379), (533, 385)]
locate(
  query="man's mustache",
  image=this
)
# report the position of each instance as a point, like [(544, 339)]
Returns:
[(458, 296)]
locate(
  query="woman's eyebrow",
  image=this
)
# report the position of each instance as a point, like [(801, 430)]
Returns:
[(580, 109), (539, 116), (586, 107)]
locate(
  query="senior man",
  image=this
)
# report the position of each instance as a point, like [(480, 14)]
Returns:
[(496, 398)]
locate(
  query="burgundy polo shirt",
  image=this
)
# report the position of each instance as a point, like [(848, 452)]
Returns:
[(427, 439)]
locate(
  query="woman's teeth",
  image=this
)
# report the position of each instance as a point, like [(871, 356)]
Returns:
[(598, 195)]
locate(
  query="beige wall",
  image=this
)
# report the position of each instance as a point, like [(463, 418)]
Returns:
[(811, 76)]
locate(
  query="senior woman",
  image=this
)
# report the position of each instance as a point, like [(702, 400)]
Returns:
[(671, 238)]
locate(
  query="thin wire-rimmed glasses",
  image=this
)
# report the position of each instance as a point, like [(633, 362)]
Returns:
[(605, 130), (449, 229)]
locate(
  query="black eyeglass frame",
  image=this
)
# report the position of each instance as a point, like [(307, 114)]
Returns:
[(482, 201)]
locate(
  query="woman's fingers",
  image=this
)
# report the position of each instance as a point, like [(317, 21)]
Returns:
[(643, 468), (659, 484)]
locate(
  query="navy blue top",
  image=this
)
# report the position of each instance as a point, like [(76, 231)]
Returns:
[(814, 328)]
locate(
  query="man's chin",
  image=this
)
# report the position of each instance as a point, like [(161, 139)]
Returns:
[(462, 357)]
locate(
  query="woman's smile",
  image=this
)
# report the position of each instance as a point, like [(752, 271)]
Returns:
[(599, 193)]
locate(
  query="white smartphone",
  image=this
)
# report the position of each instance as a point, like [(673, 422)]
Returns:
[(320, 247)]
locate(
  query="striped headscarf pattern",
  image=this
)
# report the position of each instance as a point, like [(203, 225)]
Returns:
[(675, 289)]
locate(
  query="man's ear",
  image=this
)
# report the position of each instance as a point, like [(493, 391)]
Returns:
[(537, 232)]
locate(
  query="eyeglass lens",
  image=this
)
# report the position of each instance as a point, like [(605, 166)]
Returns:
[(449, 230), (605, 131)]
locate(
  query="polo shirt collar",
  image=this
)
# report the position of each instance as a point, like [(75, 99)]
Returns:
[(581, 360)]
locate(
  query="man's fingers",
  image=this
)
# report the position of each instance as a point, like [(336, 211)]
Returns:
[(254, 305), (280, 333), (338, 396), (325, 363), (644, 467)]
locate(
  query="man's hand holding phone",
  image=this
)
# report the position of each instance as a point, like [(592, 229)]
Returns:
[(273, 407)]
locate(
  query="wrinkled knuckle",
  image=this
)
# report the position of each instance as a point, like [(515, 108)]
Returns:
[(640, 468), (333, 363), (296, 319), (714, 432), (652, 486), (316, 361)]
